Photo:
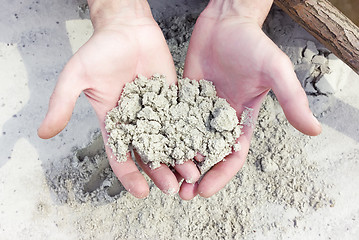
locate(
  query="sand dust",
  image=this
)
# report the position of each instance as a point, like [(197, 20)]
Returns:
[(172, 124)]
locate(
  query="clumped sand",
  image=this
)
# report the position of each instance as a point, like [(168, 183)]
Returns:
[(276, 179), (291, 185), (273, 192), (172, 124)]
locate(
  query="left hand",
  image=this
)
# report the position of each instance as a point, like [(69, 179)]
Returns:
[(244, 64)]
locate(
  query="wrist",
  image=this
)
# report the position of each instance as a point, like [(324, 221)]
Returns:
[(247, 10), (112, 12)]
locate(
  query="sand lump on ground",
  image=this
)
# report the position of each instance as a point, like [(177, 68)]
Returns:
[(172, 124)]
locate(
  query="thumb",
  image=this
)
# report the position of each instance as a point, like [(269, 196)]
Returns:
[(293, 99), (62, 102)]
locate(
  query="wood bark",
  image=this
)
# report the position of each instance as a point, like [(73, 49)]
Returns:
[(329, 25)]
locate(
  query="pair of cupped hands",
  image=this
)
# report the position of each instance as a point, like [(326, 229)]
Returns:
[(231, 51)]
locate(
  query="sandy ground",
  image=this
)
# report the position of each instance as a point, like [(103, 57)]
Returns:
[(292, 187)]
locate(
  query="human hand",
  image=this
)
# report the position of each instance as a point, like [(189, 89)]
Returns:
[(126, 41), (229, 48)]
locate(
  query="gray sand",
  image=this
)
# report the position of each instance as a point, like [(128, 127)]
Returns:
[(276, 188), (171, 125), (292, 186), (272, 194)]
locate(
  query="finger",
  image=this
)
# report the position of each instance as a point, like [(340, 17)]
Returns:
[(188, 171), (62, 102), (188, 191), (129, 175), (163, 177), (293, 99)]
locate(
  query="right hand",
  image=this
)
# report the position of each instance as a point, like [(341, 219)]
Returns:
[(123, 45), (229, 48)]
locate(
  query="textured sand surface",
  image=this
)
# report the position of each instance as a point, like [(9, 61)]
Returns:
[(172, 124), (292, 186)]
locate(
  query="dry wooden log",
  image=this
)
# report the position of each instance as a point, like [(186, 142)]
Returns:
[(329, 25)]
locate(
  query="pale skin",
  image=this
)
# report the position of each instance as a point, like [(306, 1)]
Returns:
[(126, 41), (227, 47)]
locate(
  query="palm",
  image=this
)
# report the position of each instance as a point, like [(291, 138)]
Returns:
[(244, 64), (101, 68), (235, 57)]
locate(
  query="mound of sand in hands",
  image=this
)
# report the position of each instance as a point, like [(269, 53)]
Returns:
[(172, 124)]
